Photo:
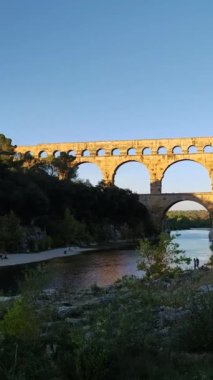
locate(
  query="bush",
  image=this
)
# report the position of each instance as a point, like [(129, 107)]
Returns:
[(160, 257), (195, 333)]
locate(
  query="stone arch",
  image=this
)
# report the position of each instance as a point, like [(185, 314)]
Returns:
[(162, 150), (146, 151), (189, 198), (205, 175), (115, 152), (27, 155), (192, 149), (177, 150), (42, 154), (101, 152), (208, 149), (56, 153), (71, 153), (191, 201), (133, 175), (131, 152), (89, 171), (85, 153), (169, 202)]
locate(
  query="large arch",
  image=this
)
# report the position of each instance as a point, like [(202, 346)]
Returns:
[(159, 204), (201, 204), (89, 172), (187, 209), (188, 205), (190, 228), (186, 175), (170, 202), (137, 179)]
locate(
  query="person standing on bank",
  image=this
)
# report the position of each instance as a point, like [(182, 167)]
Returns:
[(197, 263)]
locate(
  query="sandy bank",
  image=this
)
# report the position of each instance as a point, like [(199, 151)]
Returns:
[(28, 258)]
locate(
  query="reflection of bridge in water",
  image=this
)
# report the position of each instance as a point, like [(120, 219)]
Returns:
[(156, 155)]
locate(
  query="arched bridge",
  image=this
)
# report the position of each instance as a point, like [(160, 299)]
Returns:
[(159, 204), (157, 155)]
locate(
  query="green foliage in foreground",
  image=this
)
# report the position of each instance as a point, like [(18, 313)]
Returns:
[(119, 339), (161, 257)]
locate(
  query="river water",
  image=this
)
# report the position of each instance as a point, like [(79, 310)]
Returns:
[(105, 267)]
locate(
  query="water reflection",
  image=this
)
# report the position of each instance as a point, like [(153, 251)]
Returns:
[(102, 268), (105, 267)]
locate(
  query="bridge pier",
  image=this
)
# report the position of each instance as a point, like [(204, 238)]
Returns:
[(155, 187)]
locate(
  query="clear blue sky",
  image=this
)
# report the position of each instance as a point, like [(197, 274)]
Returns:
[(82, 70)]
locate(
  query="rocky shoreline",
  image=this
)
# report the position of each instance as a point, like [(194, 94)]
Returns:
[(73, 307), (126, 330)]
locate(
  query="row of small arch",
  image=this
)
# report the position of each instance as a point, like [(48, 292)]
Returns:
[(130, 152)]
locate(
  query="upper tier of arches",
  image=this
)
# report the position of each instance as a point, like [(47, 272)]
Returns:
[(156, 155), (101, 152), (181, 146)]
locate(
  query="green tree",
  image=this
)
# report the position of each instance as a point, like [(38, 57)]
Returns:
[(69, 231), (54, 166), (21, 321), (161, 257), (210, 262), (11, 232), (7, 150)]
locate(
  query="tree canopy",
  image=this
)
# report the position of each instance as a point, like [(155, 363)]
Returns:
[(36, 195)]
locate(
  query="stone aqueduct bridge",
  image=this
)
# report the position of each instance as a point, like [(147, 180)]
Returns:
[(157, 156)]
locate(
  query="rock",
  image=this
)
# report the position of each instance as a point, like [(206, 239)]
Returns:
[(164, 331), (6, 299), (107, 298), (67, 311), (49, 293), (170, 314), (89, 302), (205, 288), (75, 321)]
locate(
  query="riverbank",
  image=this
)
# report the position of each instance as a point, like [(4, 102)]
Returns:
[(15, 259), (19, 259)]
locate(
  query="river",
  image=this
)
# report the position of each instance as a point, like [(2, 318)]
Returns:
[(105, 267)]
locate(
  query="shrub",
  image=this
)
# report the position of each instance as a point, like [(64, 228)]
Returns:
[(195, 333), (160, 257)]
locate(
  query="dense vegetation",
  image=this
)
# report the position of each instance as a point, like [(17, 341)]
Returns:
[(137, 329), (47, 212), (183, 220)]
